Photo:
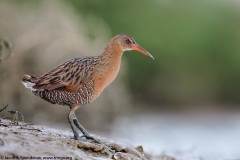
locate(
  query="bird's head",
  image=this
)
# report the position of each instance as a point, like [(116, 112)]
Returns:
[(127, 43)]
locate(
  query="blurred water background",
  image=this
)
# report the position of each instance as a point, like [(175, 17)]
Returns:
[(185, 103)]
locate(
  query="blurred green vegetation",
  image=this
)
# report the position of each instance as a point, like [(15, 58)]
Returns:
[(195, 45)]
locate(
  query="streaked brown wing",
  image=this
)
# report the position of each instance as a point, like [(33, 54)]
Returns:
[(68, 76)]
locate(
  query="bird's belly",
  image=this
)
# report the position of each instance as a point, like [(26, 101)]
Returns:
[(64, 97)]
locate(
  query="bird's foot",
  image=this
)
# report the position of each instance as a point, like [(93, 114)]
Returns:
[(88, 136), (97, 147), (105, 147)]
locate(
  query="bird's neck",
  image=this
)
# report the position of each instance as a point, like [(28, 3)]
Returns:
[(112, 54), (108, 68), (111, 61)]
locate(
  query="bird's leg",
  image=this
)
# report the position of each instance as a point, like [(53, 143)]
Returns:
[(71, 122), (83, 130), (74, 123), (88, 136)]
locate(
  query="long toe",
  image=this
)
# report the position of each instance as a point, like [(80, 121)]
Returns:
[(88, 136)]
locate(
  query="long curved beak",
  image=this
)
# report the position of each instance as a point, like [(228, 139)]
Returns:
[(138, 48)]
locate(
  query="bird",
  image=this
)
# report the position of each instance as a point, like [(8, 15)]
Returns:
[(80, 81)]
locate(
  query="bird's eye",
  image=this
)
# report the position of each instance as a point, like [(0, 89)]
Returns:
[(128, 41)]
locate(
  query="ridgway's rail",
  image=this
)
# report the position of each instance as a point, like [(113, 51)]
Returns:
[(80, 81)]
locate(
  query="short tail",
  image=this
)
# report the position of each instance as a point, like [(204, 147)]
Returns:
[(28, 82)]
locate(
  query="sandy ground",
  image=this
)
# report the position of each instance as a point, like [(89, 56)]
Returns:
[(28, 141)]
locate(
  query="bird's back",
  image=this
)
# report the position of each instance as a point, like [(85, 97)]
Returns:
[(70, 83)]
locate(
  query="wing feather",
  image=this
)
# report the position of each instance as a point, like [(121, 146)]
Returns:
[(68, 76)]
